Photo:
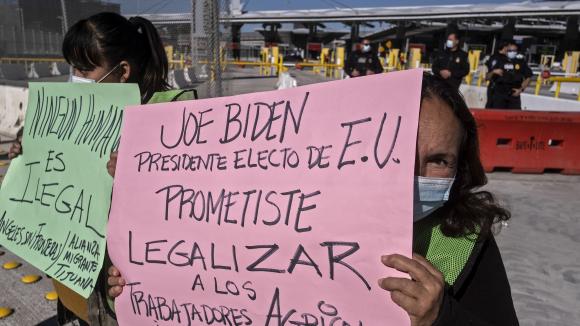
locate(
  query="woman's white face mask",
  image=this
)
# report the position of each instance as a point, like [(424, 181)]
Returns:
[(78, 79), (429, 195)]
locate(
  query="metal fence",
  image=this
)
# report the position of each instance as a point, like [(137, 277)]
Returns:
[(31, 34)]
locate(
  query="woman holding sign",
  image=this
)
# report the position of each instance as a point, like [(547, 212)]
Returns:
[(457, 275), (461, 280), (108, 48)]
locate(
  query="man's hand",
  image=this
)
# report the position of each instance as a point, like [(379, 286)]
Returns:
[(445, 73), (115, 281), (354, 73), (422, 295), (516, 92), (15, 150), (112, 164)]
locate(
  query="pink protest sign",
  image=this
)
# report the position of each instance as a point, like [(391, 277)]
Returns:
[(270, 208)]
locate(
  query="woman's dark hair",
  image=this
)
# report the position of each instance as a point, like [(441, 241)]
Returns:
[(469, 210), (107, 38)]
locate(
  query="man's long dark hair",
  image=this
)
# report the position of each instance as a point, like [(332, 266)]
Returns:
[(469, 210), (107, 38)]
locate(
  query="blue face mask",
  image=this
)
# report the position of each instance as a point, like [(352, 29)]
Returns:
[(429, 195)]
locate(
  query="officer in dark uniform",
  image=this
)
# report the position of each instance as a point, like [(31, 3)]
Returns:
[(363, 61), (451, 64), (508, 76)]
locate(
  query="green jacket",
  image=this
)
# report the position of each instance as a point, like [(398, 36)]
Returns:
[(477, 291), (101, 306)]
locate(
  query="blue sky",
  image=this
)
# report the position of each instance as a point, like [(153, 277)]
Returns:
[(172, 6)]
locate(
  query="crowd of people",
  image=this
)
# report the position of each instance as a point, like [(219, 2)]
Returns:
[(508, 73), (442, 288)]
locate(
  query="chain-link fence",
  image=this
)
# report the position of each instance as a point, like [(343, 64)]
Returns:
[(22, 34), (31, 34)]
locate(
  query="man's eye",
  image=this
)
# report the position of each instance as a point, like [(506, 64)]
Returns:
[(440, 162)]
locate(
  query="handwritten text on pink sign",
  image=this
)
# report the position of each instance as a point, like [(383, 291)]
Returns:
[(266, 209)]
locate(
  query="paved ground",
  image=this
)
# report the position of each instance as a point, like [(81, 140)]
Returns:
[(247, 80), (30, 306), (540, 244)]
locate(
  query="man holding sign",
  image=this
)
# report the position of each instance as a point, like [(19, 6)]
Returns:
[(284, 208)]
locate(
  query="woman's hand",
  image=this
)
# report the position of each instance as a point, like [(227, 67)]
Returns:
[(112, 164), (422, 295), (115, 281), (15, 149)]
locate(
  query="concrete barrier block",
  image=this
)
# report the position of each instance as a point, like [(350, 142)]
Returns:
[(13, 102), (43, 69), (32, 74), (63, 68)]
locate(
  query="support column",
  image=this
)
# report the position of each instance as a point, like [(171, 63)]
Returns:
[(509, 29), (571, 41), (236, 41), (451, 28), (354, 35), (400, 37), (271, 36)]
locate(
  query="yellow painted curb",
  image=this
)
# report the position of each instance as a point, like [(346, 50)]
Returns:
[(29, 279), (5, 312), (51, 296), (11, 265)]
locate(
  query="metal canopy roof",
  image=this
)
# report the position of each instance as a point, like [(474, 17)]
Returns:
[(527, 9), (345, 15)]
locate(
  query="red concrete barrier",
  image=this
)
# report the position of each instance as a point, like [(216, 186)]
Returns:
[(529, 142)]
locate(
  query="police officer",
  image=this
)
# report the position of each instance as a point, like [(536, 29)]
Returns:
[(508, 76), (363, 61), (451, 64)]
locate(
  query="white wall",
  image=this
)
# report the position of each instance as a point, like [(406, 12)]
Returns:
[(476, 97)]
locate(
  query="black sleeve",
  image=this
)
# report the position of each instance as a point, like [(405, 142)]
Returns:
[(464, 66), (527, 72), (485, 298), (348, 65), (489, 63), (436, 63)]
